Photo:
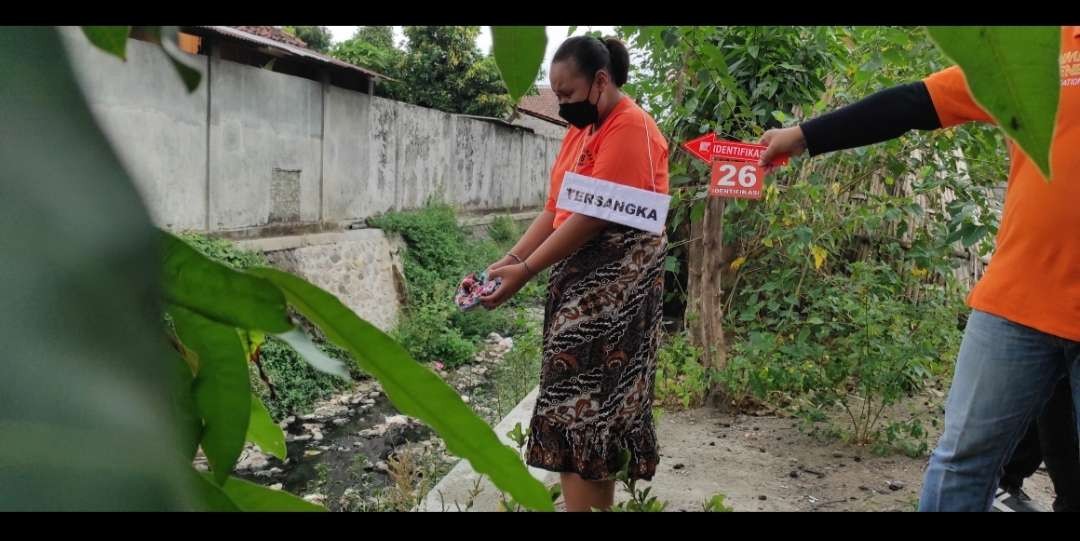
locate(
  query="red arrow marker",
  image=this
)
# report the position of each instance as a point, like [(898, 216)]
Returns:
[(708, 149), (701, 148)]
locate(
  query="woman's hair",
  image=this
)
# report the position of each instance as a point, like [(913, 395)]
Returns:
[(593, 54)]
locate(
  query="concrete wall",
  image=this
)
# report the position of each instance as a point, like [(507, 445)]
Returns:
[(265, 147), (157, 128), (358, 180), (252, 148), (363, 268)]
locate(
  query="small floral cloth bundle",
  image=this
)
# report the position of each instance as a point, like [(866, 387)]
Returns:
[(473, 287)]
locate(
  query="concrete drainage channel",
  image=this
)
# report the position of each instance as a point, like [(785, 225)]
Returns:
[(351, 450), (456, 490), (342, 453)]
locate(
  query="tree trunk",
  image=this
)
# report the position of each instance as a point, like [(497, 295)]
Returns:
[(706, 309), (695, 251)]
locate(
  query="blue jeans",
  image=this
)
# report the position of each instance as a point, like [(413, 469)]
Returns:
[(1005, 374)]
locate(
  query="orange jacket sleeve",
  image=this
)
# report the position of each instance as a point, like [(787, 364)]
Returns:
[(952, 99)]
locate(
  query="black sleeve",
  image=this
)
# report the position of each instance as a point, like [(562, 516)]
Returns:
[(885, 115)]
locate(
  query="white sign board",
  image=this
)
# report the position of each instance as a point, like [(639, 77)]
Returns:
[(634, 207)]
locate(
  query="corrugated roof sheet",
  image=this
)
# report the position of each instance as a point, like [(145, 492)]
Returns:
[(545, 106), (289, 48), (273, 33), (499, 121)]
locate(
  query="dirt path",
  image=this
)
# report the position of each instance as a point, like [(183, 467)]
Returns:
[(760, 463), (768, 464)]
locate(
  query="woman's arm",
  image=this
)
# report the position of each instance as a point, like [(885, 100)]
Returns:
[(539, 230), (571, 235)]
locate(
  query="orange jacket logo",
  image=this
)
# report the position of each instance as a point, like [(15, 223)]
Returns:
[(1070, 68)]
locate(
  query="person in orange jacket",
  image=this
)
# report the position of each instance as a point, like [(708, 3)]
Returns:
[(1023, 334)]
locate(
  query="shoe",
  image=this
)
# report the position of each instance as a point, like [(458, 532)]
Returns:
[(1010, 500)]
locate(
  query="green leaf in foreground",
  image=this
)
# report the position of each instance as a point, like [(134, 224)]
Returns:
[(86, 386), (185, 67), (111, 39), (248, 496), (1013, 73), (222, 389), (519, 51), (215, 291), (263, 431), (313, 355)]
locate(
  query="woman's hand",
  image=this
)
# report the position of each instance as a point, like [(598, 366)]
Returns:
[(514, 277), (506, 260), (782, 142)]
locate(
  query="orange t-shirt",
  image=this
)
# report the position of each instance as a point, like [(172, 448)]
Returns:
[(1034, 275), (616, 152)]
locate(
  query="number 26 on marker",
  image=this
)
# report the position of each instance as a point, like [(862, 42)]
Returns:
[(737, 180)]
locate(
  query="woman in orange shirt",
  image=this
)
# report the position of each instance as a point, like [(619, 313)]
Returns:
[(603, 311)]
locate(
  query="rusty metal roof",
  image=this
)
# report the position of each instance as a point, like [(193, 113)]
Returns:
[(545, 105), (273, 33), (282, 47), (499, 121)]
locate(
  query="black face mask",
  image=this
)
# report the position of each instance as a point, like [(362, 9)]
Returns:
[(581, 113)]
